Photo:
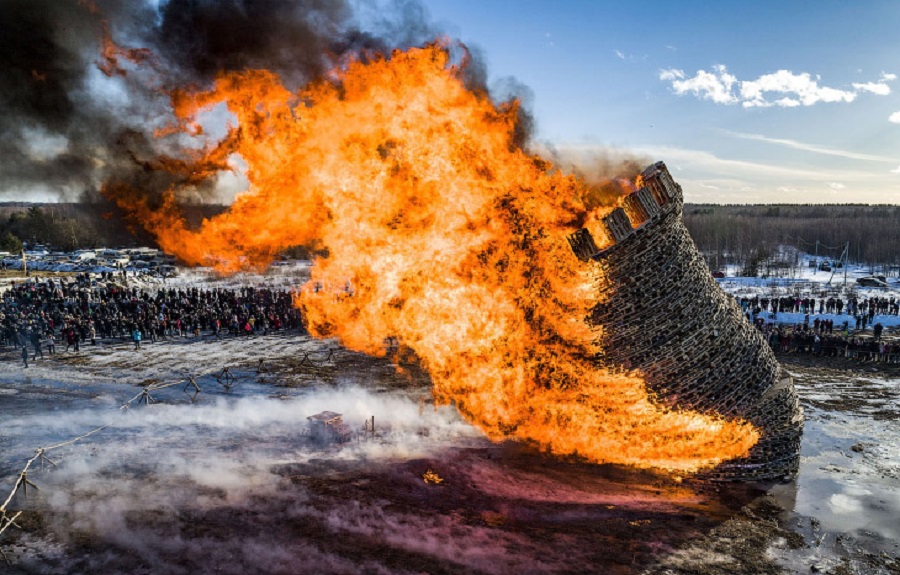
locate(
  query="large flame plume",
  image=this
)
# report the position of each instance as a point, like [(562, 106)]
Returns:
[(439, 231)]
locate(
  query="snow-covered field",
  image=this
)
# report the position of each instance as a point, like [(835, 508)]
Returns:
[(811, 282), (228, 480)]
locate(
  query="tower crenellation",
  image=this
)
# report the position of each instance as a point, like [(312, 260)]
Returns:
[(641, 206), (617, 225), (657, 195)]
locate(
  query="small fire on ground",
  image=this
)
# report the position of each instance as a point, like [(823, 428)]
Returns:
[(431, 477)]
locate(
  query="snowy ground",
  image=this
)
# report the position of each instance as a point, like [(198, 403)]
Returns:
[(228, 481), (811, 282)]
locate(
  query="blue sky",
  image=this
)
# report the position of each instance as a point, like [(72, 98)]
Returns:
[(787, 102)]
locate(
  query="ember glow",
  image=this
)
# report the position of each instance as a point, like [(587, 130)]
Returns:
[(441, 232)]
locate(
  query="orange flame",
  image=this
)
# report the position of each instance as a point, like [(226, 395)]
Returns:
[(440, 232), (432, 477)]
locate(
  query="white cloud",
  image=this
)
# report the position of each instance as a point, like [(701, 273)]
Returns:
[(716, 85), (706, 165), (768, 181), (894, 118), (800, 89), (629, 57), (671, 74), (782, 103), (880, 87), (782, 88), (775, 180), (701, 160), (836, 185), (811, 147)]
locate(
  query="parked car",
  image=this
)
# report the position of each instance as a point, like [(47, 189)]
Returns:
[(873, 281)]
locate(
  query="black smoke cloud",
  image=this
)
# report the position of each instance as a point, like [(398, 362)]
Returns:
[(66, 126), (42, 70), (290, 37)]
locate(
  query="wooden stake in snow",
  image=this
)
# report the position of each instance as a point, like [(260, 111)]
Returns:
[(191, 382), (369, 428), (22, 482), (226, 378)]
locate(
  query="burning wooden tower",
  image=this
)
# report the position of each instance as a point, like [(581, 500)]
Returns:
[(663, 314)]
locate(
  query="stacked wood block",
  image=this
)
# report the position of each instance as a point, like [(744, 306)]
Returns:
[(617, 224), (641, 206), (663, 314)]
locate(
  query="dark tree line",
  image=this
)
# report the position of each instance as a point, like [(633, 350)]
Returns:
[(71, 226), (751, 236)]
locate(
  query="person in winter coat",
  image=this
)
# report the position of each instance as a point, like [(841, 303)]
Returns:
[(35, 337)]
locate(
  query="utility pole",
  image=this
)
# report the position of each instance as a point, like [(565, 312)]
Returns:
[(846, 260)]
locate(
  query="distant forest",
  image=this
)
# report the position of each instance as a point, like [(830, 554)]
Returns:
[(72, 226), (751, 237)]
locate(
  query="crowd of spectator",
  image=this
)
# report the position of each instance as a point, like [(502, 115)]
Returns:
[(861, 311), (822, 339), (857, 333), (41, 315)]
